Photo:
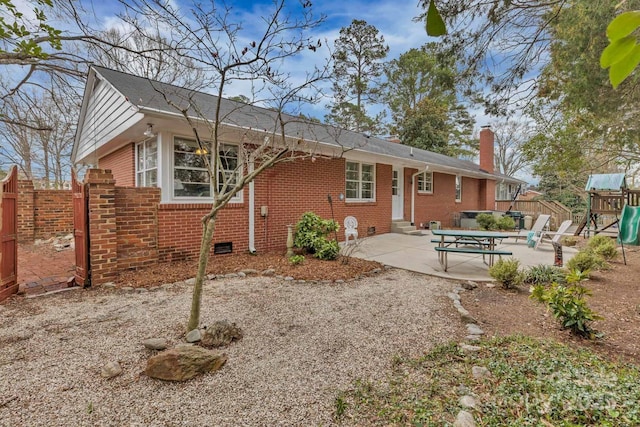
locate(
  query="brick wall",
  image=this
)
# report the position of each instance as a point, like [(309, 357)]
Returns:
[(288, 190), (26, 214), (136, 226), (121, 163), (43, 213), (102, 226), (53, 213), (441, 205)]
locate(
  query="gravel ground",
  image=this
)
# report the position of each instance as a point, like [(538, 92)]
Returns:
[(303, 343)]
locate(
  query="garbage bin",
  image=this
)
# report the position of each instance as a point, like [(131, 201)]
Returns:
[(517, 217), (528, 222)]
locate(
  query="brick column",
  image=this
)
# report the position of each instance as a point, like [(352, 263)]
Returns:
[(487, 187), (103, 253), (26, 208)]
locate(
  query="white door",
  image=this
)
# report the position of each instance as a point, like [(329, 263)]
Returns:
[(397, 198)]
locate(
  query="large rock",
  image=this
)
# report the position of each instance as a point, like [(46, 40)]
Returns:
[(110, 370), (183, 362), (221, 333)]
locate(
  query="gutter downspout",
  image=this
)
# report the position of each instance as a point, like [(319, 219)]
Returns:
[(413, 194), (252, 214)]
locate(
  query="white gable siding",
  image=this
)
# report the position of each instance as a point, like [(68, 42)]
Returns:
[(108, 114)]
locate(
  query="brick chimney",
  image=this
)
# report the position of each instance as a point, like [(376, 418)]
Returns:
[(486, 149)]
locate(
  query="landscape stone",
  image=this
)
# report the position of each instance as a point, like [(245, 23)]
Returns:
[(155, 343), (241, 274), (191, 281), (480, 372), (470, 285), (108, 285), (142, 290), (268, 272), (230, 275), (339, 281), (183, 362), (474, 329), (211, 276), (468, 402), (288, 278), (221, 333), (248, 271), (193, 336), (127, 289), (491, 285), (376, 271), (110, 370), (470, 348), (472, 337), (453, 296), (464, 419)]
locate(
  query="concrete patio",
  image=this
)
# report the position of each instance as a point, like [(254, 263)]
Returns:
[(417, 253)]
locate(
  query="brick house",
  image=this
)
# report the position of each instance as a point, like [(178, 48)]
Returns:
[(127, 127)]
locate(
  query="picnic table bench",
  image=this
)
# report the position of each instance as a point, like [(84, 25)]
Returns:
[(474, 242)]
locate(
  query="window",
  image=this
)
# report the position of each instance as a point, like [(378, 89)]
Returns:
[(425, 182), (360, 181), (394, 183), (147, 163), (458, 188), (506, 191), (190, 174)]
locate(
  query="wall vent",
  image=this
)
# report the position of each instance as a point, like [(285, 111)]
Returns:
[(222, 248)]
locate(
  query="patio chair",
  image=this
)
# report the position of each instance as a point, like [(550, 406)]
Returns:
[(350, 229), (538, 227), (554, 237)]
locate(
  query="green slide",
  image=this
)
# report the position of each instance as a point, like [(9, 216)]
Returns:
[(629, 224)]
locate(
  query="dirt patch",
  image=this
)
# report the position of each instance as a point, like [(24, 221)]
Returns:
[(310, 269), (616, 297)]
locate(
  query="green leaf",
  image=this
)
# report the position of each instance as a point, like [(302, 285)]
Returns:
[(623, 68), (623, 25), (435, 23), (616, 51)]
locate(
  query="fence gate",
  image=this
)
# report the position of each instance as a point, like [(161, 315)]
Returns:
[(9, 234), (81, 231)]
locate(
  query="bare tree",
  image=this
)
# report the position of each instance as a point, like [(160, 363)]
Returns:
[(228, 52), (510, 139)]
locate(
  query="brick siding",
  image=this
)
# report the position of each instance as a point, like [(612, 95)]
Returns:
[(137, 226), (43, 213), (121, 163)]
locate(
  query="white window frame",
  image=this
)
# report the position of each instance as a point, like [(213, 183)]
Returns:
[(237, 198), (458, 188), (423, 181), (141, 172), (359, 182)]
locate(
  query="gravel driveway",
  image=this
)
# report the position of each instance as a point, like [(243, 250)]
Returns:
[(303, 343)]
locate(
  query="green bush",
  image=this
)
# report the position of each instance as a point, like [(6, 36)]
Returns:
[(296, 259), (544, 275), (486, 221), (603, 246), (569, 306), (506, 223), (586, 260), (313, 234), (507, 273)]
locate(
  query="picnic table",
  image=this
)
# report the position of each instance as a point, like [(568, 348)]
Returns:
[(468, 242)]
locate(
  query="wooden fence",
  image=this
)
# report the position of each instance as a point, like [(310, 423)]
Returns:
[(534, 208)]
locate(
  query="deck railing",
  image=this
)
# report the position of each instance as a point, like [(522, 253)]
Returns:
[(534, 208)]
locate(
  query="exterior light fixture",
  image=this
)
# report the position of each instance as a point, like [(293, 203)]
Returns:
[(201, 151), (149, 132)]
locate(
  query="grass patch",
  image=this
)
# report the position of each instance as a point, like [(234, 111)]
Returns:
[(532, 383)]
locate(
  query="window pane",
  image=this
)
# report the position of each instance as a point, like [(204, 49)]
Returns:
[(140, 153), (367, 173), (352, 194), (140, 179), (189, 160), (151, 179), (367, 190)]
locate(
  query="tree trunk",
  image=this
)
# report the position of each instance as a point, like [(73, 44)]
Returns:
[(205, 248)]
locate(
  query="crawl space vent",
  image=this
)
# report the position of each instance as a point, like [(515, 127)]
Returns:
[(223, 248)]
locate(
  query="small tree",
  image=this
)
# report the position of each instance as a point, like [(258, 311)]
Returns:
[(229, 52)]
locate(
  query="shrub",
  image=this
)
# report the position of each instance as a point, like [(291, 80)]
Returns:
[(296, 259), (603, 246), (586, 260), (569, 241), (486, 221), (312, 234), (544, 275), (569, 306), (506, 223), (328, 250), (507, 273)]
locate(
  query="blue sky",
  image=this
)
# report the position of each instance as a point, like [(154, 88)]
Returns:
[(393, 18)]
